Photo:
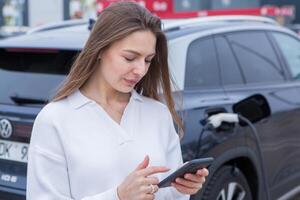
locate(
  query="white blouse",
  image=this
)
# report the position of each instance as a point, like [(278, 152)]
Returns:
[(77, 151)]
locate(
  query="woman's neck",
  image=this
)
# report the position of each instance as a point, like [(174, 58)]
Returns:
[(102, 92)]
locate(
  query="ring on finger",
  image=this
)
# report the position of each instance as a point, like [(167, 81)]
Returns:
[(152, 189)]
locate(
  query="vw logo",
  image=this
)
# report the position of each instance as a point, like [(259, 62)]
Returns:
[(5, 128)]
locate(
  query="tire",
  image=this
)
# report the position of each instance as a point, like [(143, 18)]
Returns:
[(228, 183)]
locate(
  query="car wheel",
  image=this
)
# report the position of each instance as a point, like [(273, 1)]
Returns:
[(228, 183)]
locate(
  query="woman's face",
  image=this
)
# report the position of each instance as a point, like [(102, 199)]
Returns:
[(126, 61)]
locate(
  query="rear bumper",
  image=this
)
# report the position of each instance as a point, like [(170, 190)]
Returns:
[(12, 194)]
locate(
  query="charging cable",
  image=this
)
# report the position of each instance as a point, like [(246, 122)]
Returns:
[(215, 121)]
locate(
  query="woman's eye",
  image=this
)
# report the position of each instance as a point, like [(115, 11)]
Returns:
[(129, 59), (148, 61)]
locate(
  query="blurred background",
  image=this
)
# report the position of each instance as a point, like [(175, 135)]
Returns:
[(16, 16)]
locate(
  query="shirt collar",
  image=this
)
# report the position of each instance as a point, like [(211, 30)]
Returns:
[(77, 99)]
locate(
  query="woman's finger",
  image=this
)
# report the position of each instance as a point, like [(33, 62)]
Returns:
[(195, 178), (187, 183), (152, 170), (151, 180), (154, 190), (149, 189), (202, 172), (184, 190), (149, 197)]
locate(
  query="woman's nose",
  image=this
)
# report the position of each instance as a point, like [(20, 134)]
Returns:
[(141, 68)]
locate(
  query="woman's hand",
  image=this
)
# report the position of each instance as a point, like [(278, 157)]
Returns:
[(191, 183), (139, 185)]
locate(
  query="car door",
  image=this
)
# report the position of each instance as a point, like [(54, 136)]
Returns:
[(252, 54), (202, 91), (288, 46)]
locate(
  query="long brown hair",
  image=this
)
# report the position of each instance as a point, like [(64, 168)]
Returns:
[(114, 23)]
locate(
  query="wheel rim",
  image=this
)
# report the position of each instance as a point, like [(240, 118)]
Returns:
[(233, 191)]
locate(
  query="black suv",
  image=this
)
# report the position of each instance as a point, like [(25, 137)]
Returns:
[(219, 64)]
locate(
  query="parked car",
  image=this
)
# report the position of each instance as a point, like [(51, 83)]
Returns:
[(220, 66), (10, 31), (295, 27)]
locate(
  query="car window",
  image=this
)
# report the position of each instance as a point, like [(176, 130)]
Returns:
[(290, 48), (21, 70), (256, 57), (202, 67), (36, 60), (230, 71)]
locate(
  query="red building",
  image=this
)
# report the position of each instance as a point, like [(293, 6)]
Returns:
[(193, 8)]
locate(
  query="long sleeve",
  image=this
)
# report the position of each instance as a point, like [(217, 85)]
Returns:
[(174, 158), (47, 173)]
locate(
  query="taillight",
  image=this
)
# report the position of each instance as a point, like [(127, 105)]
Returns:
[(31, 50)]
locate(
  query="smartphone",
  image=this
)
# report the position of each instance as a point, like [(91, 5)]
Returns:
[(189, 167)]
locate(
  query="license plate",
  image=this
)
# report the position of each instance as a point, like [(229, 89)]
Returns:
[(15, 151)]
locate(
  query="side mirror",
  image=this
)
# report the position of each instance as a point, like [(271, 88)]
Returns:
[(254, 108)]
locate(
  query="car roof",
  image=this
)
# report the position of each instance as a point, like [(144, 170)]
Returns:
[(227, 27), (182, 23), (70, 38), (72, 35)]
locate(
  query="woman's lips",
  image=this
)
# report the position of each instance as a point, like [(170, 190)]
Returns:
[(131, 82)]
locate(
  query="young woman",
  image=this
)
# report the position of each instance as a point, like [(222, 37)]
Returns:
[(105, 135)]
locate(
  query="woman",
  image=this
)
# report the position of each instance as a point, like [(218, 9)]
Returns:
[(105, 135)]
